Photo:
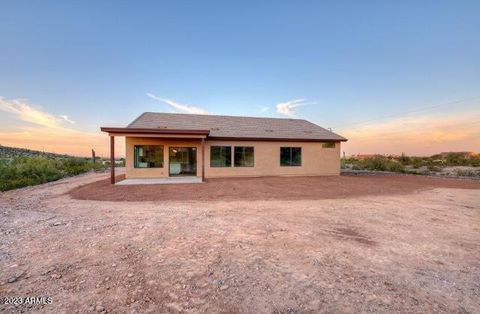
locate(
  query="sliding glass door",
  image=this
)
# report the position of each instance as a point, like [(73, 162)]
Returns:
[(183, 161)]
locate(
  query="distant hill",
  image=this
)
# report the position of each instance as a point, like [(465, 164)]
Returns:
[(11, 152)]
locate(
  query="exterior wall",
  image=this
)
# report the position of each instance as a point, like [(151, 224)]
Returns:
[(132, 172), (316, 160)]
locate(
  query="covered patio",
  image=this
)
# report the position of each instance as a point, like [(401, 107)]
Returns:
[(183, 143)]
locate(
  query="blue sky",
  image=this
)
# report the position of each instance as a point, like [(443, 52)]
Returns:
[(355, 64)]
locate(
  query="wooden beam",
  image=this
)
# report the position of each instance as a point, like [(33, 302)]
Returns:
[(203, 160), (112, 159)]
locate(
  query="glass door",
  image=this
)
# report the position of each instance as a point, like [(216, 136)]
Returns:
[(182, 161)]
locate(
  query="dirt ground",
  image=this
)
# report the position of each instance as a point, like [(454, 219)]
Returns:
[(270, 188), (403, 244)]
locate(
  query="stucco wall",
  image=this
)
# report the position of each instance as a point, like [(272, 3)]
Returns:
[(132, 172), (316, 160)]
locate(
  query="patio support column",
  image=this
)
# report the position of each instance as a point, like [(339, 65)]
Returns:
[(112, 159), (203, 159)]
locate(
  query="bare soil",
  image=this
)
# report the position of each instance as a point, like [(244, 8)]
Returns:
[(269, 188), (402, 244)]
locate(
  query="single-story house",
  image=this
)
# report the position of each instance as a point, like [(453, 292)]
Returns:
[(160, 145)]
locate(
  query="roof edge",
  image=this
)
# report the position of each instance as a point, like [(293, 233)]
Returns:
[(153, 131), (274, 139), (138, 118)]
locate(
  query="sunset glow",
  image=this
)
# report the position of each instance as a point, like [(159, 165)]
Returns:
[(392, 78)]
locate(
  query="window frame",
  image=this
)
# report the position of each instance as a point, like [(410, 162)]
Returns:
[(135, 156), (229, 149), (291, 156), (329, 145), (235, 155)]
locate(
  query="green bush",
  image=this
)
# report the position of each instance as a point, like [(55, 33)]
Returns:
[(405, 160), (378, 163), (75, 166), (412, 164), (457, 159), (417, 162), (24, 171), (475, 161)]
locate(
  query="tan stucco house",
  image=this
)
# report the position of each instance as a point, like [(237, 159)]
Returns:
[(160, 145)]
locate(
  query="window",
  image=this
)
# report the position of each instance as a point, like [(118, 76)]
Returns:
[(328, 145), (290, 156), (244, 156), (148, 156), (220, 156)]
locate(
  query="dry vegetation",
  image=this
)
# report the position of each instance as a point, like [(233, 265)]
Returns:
[(451, 164), (21, 167)]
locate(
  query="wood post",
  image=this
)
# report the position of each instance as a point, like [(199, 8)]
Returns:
[(112, 159), (203, 159)]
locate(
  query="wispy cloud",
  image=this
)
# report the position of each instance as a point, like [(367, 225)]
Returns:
[(65, 117), (28, 113), (48, 132), (263, 109), (289, 108), (179, 106)]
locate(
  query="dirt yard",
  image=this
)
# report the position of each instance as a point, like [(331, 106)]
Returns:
[(273, 245), (271, 188)]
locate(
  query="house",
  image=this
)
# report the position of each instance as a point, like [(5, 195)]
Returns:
[(160, 145)]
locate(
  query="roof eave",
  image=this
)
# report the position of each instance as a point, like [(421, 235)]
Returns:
[(113, 130), (274, 139)]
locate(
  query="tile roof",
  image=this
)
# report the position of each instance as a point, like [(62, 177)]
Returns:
[(236, 127)]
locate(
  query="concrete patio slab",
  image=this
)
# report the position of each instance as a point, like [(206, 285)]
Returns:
[(171, 180)]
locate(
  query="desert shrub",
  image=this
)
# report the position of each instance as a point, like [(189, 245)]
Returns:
[(395, 166), (457, 159), (474, 161), (24, 171), (6, 185), (75, 166), (404, 160), (379, 163), (417, 162)]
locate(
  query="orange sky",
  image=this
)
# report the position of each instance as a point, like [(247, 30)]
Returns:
[(413, 135), (419, 135)]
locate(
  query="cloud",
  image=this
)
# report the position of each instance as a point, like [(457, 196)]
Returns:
[(48, 132), (27, 113), (263, 109), (64, 117), (178, 106), (289, 108)]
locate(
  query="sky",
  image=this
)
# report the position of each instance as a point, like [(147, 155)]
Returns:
[(391, 76)]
